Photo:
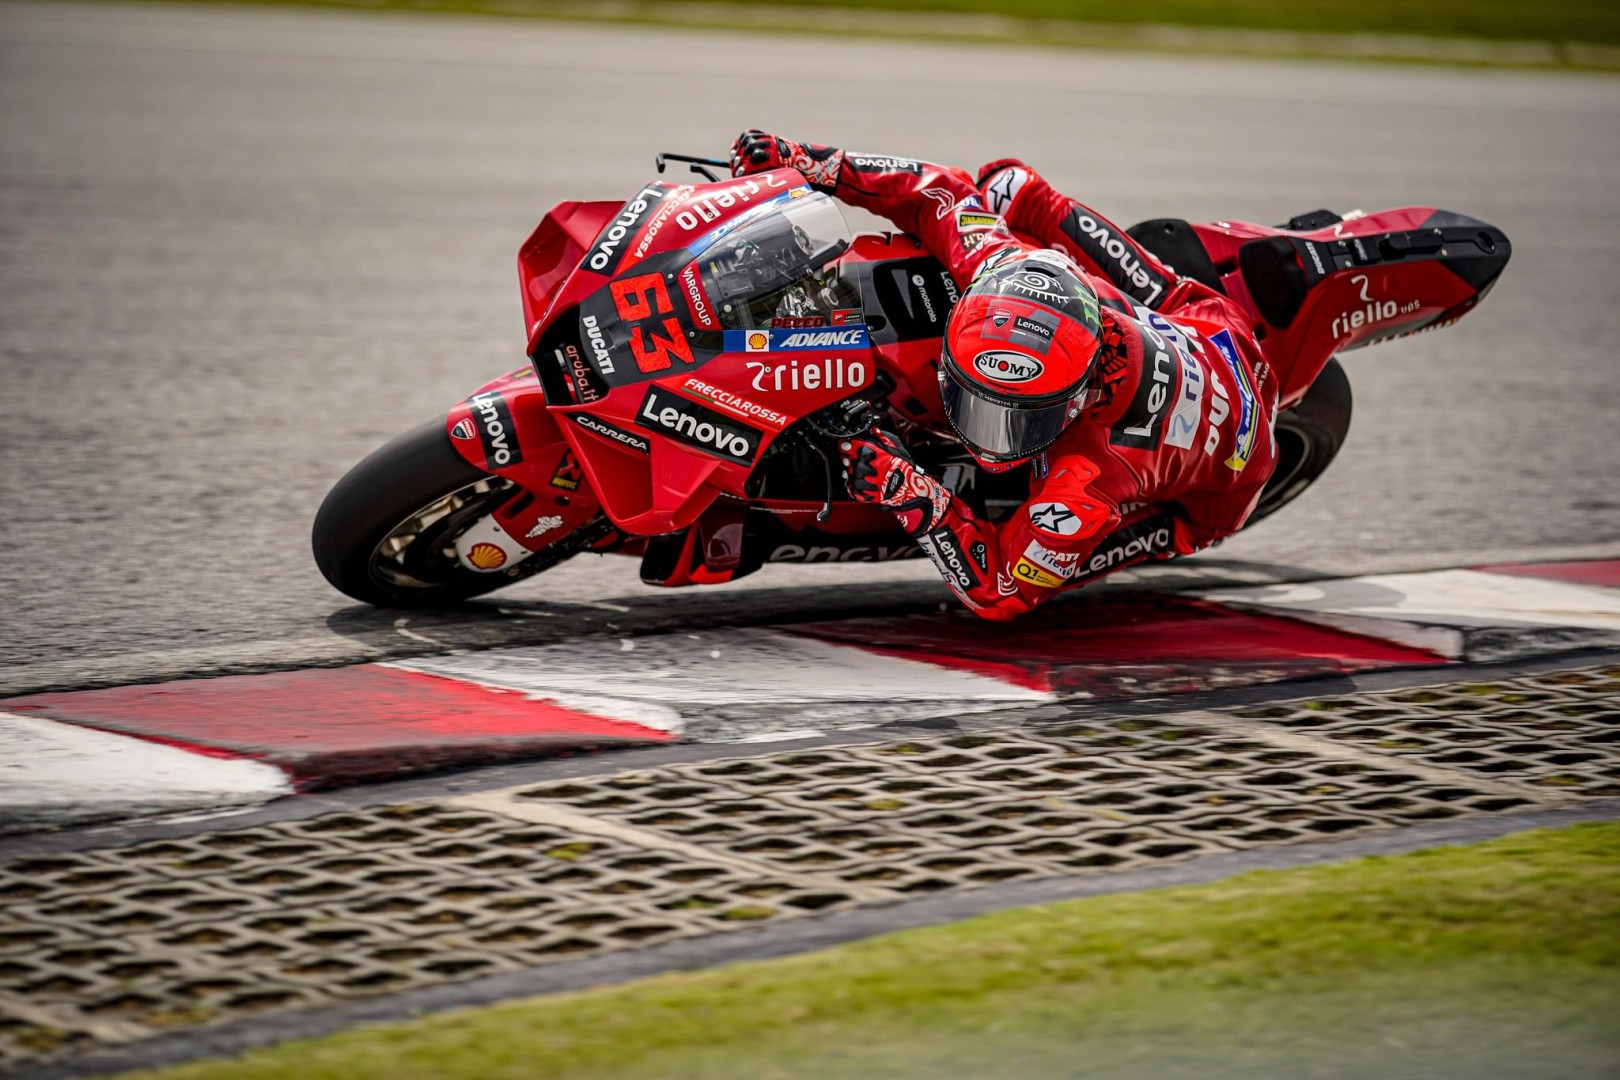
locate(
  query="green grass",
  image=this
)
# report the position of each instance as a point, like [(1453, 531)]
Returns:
[(1577, 21), (1489, 962)]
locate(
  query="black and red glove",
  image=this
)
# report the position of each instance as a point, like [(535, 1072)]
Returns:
[(879, 470), (759, 151)]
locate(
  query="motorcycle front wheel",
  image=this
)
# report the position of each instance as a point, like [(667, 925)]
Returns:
[(386, 533)]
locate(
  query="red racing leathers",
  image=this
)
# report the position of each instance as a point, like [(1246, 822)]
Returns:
[(1174, 443)]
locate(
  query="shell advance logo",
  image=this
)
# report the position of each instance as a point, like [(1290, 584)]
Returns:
[(831, 337)]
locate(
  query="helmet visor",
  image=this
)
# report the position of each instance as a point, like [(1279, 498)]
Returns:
[(996, 431)]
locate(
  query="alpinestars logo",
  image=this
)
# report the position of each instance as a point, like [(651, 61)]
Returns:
[(1054, 517), (684, 420), (495, 430), (1004, 187)]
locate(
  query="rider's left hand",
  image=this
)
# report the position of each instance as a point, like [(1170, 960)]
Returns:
[(760, 151), (879, 470)]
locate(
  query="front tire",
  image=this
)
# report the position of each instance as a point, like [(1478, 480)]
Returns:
[(1309, 437), (386, 533)]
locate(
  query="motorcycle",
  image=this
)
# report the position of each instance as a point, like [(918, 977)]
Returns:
[(696, 351)]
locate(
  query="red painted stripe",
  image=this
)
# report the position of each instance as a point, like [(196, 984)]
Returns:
[(1597, 572), (1126, 646), (334, 725)]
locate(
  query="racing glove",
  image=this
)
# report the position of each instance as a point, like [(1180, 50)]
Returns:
[(759, 151), (879, 470)]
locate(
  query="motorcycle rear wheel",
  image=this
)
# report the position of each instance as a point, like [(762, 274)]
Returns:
[(1309, 437), (385, 534)]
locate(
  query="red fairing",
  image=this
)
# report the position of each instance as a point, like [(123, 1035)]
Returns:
[(506, 429)]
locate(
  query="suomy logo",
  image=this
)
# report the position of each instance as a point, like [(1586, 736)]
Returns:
[(1007, 367)]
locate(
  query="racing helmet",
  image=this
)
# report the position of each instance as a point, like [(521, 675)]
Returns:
[(1018, 354)]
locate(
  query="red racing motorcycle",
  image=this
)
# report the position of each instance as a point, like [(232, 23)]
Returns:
[(696, 351)]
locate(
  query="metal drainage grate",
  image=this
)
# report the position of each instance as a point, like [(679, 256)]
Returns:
[(115, 945), (923, 816), (1559, 731), (110, 946)]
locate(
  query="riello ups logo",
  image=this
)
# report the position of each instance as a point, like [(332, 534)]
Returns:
[(685, 421)]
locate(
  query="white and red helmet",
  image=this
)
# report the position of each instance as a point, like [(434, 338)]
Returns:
[(1018, 354)]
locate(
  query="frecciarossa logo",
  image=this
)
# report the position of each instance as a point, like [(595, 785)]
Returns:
[(685, 421)]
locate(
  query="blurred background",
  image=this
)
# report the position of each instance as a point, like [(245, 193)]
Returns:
[(242, 245)]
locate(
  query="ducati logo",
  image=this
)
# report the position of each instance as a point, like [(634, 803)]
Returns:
[(463, 430)]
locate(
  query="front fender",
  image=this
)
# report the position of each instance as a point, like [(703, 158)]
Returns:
[(506, 429)]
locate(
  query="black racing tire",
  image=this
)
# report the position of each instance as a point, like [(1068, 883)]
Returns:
[(1309, 437), (385, 533)]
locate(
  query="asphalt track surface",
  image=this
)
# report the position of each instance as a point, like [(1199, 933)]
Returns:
[(239, 248)]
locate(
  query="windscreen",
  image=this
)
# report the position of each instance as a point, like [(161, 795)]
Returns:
[(780, 269)]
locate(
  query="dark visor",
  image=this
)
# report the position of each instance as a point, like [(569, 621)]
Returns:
[(998, 432)]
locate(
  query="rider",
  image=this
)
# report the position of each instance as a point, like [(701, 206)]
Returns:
[(1147, 440)]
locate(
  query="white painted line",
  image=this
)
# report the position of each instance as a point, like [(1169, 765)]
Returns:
[(665, 677), (1444, 610), (54, 773)]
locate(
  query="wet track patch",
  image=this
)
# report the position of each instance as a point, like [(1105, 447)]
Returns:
[(106, 947)]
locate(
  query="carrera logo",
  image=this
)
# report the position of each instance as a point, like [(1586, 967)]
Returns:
[(608, 250), (684, 420), (1007, 367), (608, 431), (495, 430)]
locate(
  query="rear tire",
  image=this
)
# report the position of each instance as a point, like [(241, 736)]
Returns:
[(385, 534), (1309, 437)]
